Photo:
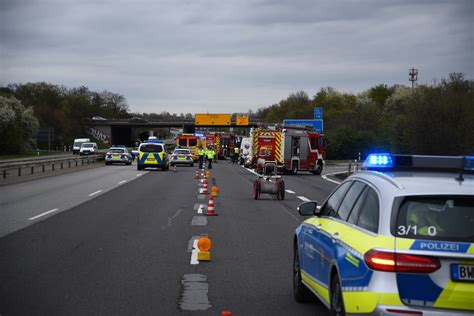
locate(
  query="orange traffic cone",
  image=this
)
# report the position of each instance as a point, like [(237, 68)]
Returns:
[(210, 207)]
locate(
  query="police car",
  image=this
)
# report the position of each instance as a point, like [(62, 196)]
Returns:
[(118, 155), (394, 239), (182, 156), (151, 153)]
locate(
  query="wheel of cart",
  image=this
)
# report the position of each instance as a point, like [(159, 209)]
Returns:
[(256, 189), (281, 189)]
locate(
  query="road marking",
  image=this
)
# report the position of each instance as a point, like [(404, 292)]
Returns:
[(290, 213), (291, 192), (201, 208), (324, 176), (94, 193), (304, 199), (194, 293), (139, 175), (194, 252), (123, 181), (170, 219), (251, 171), (43, 214), (199, 221)]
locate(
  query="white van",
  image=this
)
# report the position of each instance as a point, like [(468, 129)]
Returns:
[(88, 149), (245, 149), (76, 146)]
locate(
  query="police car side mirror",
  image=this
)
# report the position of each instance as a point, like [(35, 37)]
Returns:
[(308, 208)]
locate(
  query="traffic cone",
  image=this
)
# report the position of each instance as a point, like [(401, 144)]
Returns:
[(204, 189), (226, 313), (210, 207), (204, 181), (196, 175)]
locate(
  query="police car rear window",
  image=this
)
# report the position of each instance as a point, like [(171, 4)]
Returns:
[(148, 148), (116, 151), (448, 218)]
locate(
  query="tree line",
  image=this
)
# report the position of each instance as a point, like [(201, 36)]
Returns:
[(435, 118)]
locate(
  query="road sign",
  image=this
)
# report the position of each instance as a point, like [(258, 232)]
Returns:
[(242, 119), (318, 113), (316, 124), (212, 119)]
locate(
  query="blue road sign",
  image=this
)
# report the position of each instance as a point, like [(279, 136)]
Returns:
[(318, 113), (316, 124)]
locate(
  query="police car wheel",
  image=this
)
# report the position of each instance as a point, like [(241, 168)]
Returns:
[(301, 293), (337, 304)]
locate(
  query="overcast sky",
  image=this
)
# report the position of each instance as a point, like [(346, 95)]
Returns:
[(230, 56)]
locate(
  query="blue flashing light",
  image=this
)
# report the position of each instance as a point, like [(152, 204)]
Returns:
[(155, 141), (469, 163), (379, 161)]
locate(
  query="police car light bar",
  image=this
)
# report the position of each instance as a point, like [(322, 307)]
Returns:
[(385, 162)]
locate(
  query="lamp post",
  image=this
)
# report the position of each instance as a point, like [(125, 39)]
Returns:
[(413, 76)]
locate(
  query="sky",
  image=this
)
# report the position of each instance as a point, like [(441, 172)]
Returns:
[(228, 56)]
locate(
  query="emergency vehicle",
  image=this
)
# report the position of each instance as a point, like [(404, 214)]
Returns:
[(394, 239), (224, 143), (190, 141), (151, 153), (293, 148)]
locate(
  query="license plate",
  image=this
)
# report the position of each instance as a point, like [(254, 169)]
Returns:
[(150, 159), (115, 155), (462, 272)]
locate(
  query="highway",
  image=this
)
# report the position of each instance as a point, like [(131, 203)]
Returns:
[(116, 241)]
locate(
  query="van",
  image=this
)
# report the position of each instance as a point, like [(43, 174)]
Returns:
[(76, 146), (88, 148)]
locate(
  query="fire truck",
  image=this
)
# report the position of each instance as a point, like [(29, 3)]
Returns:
[(223, 142), (293, 148)]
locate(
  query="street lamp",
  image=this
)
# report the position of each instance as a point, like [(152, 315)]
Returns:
[(413, 76)]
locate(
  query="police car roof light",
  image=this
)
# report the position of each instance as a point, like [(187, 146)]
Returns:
[(385, 162), (155, 141), (379, 161)]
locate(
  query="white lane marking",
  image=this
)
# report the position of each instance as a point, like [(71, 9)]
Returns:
[(291, 192), (194, 253), (304, 199), (324, 176), (251, 171), (94, 193), (201, 207), (123, 181), (139, 175), (43, 214)]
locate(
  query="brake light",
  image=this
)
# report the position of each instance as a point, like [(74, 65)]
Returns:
[(400, 262)]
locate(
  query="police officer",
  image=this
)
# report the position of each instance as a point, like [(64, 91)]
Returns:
[(210, 153), (201, 153)]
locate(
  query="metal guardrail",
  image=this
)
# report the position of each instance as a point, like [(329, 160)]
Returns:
[(24, 167)]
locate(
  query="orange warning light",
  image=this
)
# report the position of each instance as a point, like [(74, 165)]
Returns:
[(204, 244)]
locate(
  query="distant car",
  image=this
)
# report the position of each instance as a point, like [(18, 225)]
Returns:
[(76, 146), (152, 154), (88, 149), (118, 155), (182, 156), (394, 239), (98, 118)]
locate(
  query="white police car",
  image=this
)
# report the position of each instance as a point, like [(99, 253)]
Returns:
[(394, 239)]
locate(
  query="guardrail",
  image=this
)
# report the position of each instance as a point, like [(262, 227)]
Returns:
[(30, 167)]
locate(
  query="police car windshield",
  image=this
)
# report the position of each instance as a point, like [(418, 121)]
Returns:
[(437, 218), (148, 148), (116, 151), (182, 152)]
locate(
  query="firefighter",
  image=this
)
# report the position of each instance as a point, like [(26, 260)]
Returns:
[(201, 153), (236, 154), (210, 157)]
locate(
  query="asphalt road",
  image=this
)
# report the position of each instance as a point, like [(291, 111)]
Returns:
[(128, 249)]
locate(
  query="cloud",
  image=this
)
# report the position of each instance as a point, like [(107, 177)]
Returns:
[(229, 56)]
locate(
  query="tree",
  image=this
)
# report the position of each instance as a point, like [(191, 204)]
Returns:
[(18, 126)]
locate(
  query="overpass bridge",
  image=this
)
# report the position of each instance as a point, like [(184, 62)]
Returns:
[(127, 131)]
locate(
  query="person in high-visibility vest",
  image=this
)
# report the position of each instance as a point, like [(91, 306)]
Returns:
[(201, 153), (236, 154), (210, 153)]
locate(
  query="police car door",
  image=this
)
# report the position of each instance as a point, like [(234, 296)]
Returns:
[(435, 252)]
